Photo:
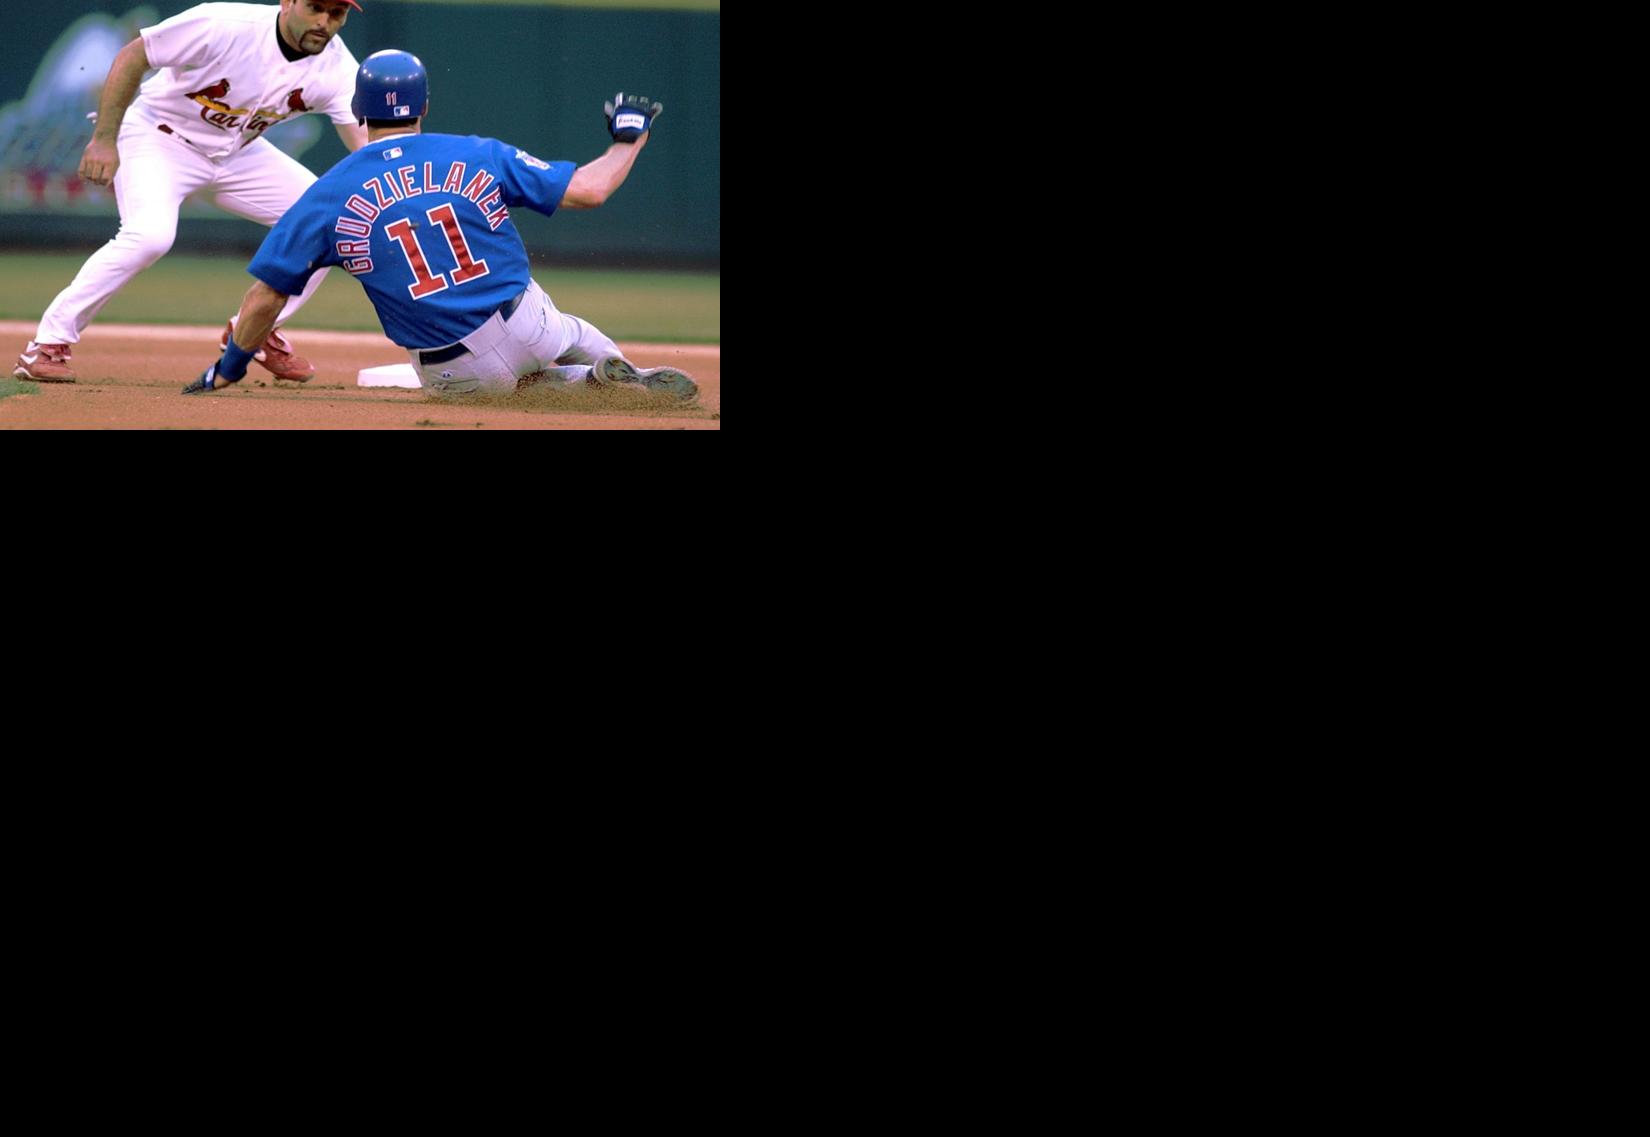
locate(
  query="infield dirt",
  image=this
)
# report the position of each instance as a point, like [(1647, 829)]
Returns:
[(131, 378)]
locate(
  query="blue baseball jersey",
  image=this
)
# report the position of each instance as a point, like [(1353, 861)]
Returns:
[(423, 222)]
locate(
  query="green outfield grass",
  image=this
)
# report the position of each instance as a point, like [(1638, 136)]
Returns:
[(665, 307)]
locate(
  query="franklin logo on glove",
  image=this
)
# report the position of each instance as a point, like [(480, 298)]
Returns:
[(630, 116)]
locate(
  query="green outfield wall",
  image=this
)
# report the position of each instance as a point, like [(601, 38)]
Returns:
[(532, 74)]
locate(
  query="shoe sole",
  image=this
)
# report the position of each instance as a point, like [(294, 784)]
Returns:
[(665, 380), (23, 373)]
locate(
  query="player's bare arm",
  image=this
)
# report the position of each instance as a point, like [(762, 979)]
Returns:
[(259, 310), (629, 119), (100, 161), (594, 182)]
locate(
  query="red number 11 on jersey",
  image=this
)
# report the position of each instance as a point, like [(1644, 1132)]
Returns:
[(426, 283)]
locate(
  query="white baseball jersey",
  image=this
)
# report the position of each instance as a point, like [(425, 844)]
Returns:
[(224, 80)]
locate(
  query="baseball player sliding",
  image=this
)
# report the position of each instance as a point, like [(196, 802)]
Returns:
[(423, 222), (228, 72)]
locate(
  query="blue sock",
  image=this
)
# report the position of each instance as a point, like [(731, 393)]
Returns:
[(233, 365)]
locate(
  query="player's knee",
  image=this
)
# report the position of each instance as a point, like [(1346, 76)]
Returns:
[(149, 245)]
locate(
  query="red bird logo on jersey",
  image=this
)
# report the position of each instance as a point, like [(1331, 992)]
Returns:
[(269, 116), (214, 111), (211, 95)]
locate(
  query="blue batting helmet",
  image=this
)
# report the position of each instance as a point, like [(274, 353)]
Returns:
[(391, 85)]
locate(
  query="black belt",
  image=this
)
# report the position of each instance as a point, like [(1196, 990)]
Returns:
[(448, 354)]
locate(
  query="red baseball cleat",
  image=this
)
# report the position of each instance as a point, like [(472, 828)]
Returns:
[(276, 356), (45, 363)]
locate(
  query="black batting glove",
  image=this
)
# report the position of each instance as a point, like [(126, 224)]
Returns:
[(630, 116)]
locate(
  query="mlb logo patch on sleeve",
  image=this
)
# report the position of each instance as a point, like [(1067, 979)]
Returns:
[(524, 156)]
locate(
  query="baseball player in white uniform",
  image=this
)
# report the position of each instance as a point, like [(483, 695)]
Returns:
[(228, 72)]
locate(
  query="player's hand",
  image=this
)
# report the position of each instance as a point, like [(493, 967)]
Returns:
[(630, 116), (99, 163), (209, 380)]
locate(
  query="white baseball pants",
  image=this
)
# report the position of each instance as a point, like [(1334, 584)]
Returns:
[(157, 171), (536, 338)]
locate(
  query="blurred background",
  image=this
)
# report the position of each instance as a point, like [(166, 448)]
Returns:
[(533, 73)]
